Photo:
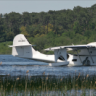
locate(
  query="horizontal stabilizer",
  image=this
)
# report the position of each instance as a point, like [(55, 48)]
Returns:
[(19, 45)]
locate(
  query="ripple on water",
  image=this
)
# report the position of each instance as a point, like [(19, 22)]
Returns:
[(18, 66)]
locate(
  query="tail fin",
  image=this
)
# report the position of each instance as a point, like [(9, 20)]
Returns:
[(21, 47)]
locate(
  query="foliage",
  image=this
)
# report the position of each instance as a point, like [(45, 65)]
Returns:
[(52, 28), (4, 47)]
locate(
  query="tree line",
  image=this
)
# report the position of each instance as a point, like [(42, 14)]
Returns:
[(52, 28)]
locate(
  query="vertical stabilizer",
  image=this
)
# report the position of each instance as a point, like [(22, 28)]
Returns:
[(21, 47), (20, 40)]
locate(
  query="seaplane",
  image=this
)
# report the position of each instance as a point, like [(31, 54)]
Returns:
[(85, 54)]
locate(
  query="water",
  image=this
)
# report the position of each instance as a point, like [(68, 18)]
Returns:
[(15, 66)]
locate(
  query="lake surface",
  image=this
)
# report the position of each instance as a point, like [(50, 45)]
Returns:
[(15, 66), (23, 77)]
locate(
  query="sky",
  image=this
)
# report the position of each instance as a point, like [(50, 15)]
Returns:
[(20, 6)]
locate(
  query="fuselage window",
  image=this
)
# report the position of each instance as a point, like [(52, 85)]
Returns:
[(74, 60)]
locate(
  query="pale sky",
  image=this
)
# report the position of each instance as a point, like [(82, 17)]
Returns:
[(20, 6)]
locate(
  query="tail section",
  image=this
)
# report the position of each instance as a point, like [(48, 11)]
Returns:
[(21, 47)]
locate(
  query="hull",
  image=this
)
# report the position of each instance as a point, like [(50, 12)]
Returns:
[(71, 61), (82, 60)]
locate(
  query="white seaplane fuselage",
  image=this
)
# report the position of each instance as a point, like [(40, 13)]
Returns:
[(85, 57)]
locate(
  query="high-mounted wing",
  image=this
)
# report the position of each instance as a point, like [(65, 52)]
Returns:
[(71, 47), (62, 50)]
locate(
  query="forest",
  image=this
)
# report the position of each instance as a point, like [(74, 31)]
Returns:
[(49, 29)]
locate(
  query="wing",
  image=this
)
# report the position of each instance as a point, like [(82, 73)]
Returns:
[(62, 50), (71, 47)]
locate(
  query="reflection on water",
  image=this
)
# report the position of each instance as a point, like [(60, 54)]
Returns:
[(24, 77)]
